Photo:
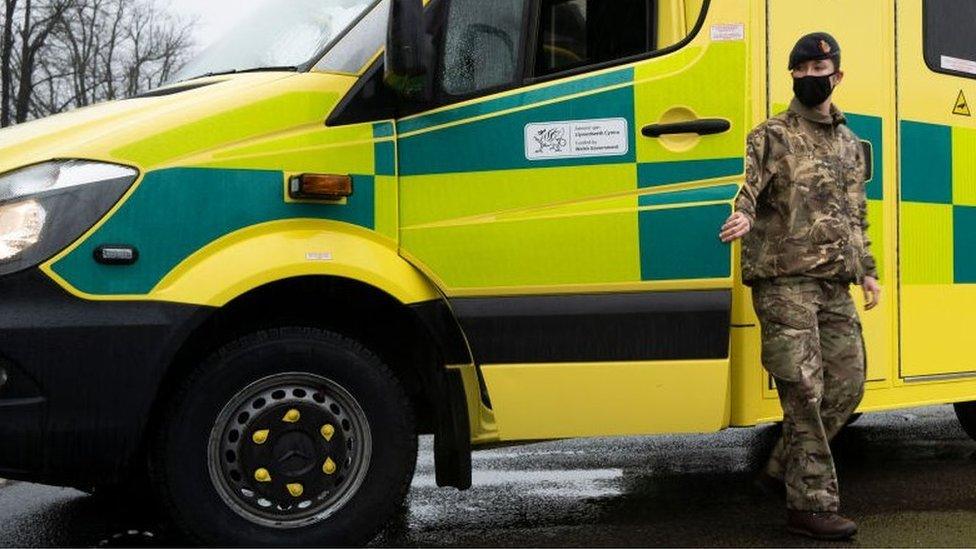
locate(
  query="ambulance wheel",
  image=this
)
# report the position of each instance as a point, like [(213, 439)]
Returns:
[(290, 436), (966, 413)]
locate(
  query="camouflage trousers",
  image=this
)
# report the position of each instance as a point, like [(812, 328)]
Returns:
[(813, 348)]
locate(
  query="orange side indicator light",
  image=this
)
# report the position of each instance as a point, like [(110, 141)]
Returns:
[(320, 186)]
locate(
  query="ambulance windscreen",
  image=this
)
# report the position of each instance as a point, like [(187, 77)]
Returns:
[(278, 36)]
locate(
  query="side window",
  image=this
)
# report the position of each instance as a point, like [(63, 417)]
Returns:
[(576, 33), (482, 45), (948, 35)]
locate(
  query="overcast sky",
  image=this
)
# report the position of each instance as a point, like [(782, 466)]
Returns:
[(215, 16)]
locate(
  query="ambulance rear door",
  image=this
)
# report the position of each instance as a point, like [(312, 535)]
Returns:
[(866, 34), (936, 82)]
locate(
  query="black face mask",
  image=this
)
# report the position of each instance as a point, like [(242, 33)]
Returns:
[(813, 90)]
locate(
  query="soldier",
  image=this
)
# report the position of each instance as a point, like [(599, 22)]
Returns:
[(801, 215)]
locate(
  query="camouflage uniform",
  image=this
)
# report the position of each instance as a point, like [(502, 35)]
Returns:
[(804, 194)]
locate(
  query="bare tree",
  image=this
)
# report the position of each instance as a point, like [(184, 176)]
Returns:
[(157, 48), (107, 56), (40, 18), (6, 51), (60, 54)]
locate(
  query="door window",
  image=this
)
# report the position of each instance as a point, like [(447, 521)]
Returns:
[(948, 36), (576, 33), (482, 45)]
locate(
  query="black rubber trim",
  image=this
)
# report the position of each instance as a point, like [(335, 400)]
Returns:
[(442, 324), (445, 388), (682, 325), (437, 317), (452, 442), (173, 90)]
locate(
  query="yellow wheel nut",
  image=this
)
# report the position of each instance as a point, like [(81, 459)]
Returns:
[(329, 467), (296, 490), (328, 431), (260, 437), (262, 475), (292, 416)]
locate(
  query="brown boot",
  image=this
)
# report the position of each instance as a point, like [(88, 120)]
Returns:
[(820, 525)]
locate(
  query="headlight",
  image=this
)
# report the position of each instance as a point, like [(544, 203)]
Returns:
[(20, 227), (46, 207)]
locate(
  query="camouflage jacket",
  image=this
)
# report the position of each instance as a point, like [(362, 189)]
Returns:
[(804, 193)]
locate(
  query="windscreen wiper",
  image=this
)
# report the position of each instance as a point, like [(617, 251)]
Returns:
[(289, 68), (281, 68)]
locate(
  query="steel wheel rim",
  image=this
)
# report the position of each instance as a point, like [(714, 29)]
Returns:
[(293, 453)]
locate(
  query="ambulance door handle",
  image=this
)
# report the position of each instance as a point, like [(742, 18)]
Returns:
[(702, 126)]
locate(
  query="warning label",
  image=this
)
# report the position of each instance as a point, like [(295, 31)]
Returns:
[(962, 106), (729, 31)]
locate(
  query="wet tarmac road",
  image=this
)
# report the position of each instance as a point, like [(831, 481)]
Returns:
[(908, 477)]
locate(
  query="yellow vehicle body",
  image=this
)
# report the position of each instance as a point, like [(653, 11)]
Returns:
[(445, 208), (913, 338)]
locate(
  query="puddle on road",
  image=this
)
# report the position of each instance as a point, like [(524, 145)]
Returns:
[(572, 483), (567, 479)]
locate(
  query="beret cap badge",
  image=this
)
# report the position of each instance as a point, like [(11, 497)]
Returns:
[(815, 46)]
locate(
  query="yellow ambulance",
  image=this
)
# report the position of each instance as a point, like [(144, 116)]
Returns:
[(256, 286)]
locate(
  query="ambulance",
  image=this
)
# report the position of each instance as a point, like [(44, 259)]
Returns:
[(349, 223)]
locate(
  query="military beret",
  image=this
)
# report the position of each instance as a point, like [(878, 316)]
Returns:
[(814, 46)]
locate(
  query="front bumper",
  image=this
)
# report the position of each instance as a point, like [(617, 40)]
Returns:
[(82, 378)]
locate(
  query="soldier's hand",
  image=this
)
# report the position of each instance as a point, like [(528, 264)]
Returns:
[(736, 226), (872, 293)]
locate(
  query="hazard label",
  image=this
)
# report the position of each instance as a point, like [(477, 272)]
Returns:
[(962, 107)]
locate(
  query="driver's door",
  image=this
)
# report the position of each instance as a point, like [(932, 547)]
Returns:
[(573, 229)]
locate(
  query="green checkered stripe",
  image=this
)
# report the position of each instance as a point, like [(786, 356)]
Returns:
[(674, 243), (938, 204), (869, 128)]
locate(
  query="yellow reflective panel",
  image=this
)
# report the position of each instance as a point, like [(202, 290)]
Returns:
[(623, 398)]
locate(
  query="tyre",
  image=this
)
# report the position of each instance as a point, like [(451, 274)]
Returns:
[(853, 419), (966, 413), (291, 436)]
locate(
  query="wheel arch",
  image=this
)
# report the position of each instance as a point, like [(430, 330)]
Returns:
[(259, 255), (416, 340)]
